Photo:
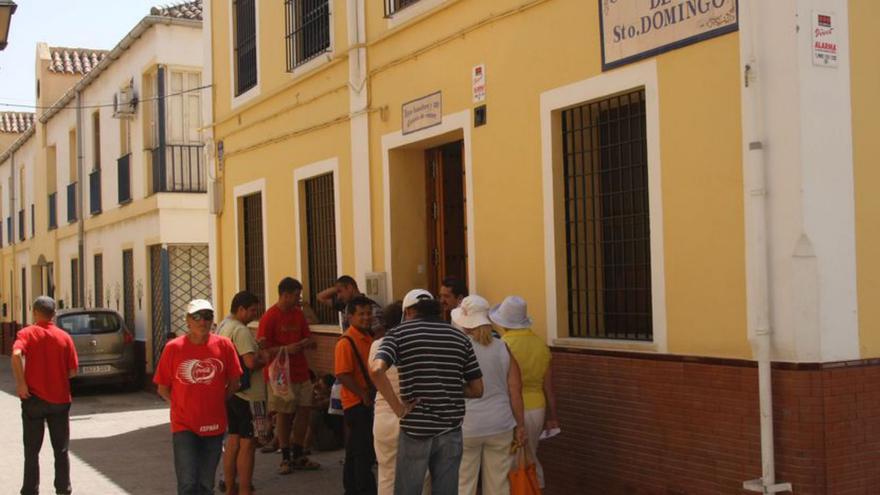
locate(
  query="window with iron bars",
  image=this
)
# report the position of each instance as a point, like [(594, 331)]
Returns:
[(245, 45), (607, 231), (321, 242), (252, 229), (307, 33), (393, 6)]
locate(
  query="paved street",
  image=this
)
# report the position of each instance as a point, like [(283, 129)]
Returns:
[(121, 444)]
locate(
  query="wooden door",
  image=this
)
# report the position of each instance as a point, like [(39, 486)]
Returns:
[(447, 226)]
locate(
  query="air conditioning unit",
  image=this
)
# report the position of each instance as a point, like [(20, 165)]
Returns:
[(124, 103)]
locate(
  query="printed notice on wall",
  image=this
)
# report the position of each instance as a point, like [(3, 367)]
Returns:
[(636, 29), (478, 76), (422, 113), (824, 40)]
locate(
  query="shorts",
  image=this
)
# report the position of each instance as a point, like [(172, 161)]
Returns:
[(302, 397), (240, 418)]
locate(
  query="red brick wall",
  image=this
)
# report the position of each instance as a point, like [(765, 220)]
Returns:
[(321, 358), (671, 425)]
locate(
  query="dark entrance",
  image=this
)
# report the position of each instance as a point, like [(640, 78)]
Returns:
[(447, 227)]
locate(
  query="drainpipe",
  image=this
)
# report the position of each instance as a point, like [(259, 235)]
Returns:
[(757, 245), (80, 213), (11, 231)]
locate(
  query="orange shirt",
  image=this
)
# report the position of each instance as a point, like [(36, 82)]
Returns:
[(344, 362)]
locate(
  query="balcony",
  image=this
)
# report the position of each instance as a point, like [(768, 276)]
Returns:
[(95, 192), (179, 168), (123, 176), (9, 237), (53, 211), (71, 202), (21, 225)]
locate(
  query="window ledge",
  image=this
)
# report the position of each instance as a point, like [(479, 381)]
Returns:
[(412, 11), (312, 64), (606, 344)]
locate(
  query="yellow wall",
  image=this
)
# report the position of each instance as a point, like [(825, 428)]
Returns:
[(865, 79), (527, 51)]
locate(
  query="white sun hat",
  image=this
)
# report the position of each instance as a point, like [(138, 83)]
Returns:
[(473, 312), (511, 313)]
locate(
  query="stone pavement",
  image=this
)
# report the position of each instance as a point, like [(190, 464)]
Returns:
[(121, 444)]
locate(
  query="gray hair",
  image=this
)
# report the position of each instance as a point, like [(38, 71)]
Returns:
[(44, 305)]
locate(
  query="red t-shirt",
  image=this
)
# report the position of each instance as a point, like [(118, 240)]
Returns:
[(197, 376), (49, 356), (279, 328)]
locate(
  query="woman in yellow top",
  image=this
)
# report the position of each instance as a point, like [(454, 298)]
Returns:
[(533, 356)]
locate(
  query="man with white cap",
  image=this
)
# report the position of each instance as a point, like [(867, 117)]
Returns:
[(533, 356), (197, 373), (438, 369)]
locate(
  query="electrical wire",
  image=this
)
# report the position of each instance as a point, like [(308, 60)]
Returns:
[(104, 105)]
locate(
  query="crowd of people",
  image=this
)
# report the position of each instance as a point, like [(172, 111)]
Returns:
[(436, 392)]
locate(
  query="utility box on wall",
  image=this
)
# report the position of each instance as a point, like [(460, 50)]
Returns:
[(376, 287)]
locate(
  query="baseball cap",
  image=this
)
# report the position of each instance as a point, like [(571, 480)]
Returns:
[(414, 296), (197, 305)]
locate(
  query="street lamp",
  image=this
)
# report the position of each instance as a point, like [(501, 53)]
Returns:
[(7, 8)]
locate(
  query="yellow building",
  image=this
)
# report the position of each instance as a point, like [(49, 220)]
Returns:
[(680, 189)]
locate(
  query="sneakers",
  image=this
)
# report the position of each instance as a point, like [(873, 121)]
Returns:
[(285, 468)]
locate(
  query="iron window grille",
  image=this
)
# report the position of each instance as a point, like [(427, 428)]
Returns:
[(74, 284), (123, 179), (245, 45), (607, 232), (128, 289), (53, 211), (394, 6), (71, 202), (99, 281), (254, 274), (21, 225), (321, 239), (33, 221), (307, 30)]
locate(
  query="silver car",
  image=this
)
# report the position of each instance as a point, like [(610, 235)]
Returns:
[(104, 345)]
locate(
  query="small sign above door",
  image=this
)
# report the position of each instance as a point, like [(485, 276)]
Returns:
[(422, 113)]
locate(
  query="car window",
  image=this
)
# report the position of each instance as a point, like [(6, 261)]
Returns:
[(86, 323)]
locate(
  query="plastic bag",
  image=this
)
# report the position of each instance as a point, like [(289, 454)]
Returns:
[(279, 376), (335, 399), (523, 476)]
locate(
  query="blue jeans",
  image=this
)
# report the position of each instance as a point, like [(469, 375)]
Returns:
[(441, 455), (195, 462)]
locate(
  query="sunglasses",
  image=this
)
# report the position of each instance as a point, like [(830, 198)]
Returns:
[(203, 315)]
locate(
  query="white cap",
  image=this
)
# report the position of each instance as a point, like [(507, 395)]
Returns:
[(197, 305), (473, 312), (414, 296), (511, 313)]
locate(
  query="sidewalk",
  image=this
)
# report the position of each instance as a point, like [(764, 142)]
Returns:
[(121, 444)]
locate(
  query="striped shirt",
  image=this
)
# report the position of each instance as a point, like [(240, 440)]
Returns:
[(434, 360)]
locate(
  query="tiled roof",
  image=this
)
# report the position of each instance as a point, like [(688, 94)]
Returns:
[(74, 60), (15, 122), (185, 10)]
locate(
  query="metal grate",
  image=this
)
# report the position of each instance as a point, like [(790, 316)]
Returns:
[(21, 225), (245, 45), (95, 192), (33, 221), (157, 289), (179, 168), (99, 281), (606, 216), (74, 284), (321, 239), (307, 30), (71, 202), (128, 288), (254, 275), (123, 179), (393, 6)]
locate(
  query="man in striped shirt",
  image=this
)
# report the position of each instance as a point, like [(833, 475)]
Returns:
[(437, 369)]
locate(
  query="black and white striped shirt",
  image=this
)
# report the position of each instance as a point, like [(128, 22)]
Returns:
[(434, 360)]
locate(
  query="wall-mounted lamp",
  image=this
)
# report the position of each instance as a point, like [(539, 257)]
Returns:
[(116, 291), (140, 292)]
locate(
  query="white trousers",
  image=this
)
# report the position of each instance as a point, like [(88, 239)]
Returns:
[(491, 456), (534, 426)]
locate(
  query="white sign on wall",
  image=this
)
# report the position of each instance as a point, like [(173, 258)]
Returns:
[(824, 39), (422, 113), (635, 29), (478, 78)]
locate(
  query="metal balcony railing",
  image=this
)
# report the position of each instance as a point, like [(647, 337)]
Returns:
[(123, 177), (21, 225), (179, 168), (95, 192)]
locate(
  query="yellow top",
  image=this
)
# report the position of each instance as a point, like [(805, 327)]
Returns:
[(533, 357)]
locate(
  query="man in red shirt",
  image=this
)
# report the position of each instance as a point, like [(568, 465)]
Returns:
[(284, 326), (197, 373), (43, 360), (350, 366)]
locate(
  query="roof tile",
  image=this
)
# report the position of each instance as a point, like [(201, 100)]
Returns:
[(185, 10), (15, 122), (74, 60)]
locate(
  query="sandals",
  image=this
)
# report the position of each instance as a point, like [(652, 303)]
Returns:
[(303, 463), (285, 468)]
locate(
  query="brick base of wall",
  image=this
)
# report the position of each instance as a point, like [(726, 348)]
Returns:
[(321, 358), (671, 425)]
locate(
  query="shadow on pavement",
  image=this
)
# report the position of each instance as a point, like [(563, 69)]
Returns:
[(139, 461)]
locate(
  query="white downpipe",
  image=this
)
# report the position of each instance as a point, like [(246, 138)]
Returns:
[(757, 246)]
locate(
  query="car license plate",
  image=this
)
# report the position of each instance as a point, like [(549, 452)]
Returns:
[(91, 370)]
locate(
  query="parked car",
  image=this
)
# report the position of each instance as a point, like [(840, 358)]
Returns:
[(104, 345)]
